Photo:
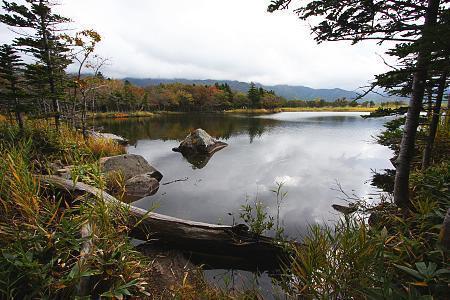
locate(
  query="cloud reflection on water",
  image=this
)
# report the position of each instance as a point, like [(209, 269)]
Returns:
[(308, 151)]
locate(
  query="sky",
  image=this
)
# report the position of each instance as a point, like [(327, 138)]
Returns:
[(217, 39)]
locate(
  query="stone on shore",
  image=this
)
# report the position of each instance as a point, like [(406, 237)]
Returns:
[(129, 165), (100, 135)]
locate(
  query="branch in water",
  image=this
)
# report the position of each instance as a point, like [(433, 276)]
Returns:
[(173, 181)]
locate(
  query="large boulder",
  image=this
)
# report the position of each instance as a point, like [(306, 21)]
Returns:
[(129, 165), (140, 186), (199, 141)]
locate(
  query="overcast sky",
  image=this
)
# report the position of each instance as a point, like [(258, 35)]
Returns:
[(218, 39)]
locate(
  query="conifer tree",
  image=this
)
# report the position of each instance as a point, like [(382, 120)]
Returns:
[(43, 42), (254, 95), (11, 80)]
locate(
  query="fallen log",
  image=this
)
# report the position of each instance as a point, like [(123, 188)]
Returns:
[(226, 243)]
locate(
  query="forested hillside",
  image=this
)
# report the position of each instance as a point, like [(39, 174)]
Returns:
[(290, 92)]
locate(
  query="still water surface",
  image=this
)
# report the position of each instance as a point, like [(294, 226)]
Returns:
[(309, 152)]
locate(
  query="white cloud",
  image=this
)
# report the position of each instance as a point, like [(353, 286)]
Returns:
[(231, 39), (287, 180)]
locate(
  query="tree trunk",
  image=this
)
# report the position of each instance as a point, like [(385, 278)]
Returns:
[(434, 122), (86, 284), (406, 154), (50, 71), (19, 116), (430, 99), (84, 117)]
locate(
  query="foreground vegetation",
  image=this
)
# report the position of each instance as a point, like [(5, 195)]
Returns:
[(41, 246)]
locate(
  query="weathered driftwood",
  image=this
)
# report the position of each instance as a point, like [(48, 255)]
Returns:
[(222, 242), (85, 284)]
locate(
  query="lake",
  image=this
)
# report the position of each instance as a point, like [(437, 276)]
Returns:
[(309, 152)]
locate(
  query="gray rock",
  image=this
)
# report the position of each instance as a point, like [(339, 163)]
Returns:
[(141, 186), (100, 135), (199, 141), (130, 165)]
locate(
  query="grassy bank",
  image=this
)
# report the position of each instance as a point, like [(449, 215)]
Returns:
[(40, 231), (137, 114), (121, 115)]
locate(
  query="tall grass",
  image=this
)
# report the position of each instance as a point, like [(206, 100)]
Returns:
[(121, 115), (40, 228), (66, 144), (337, 262)]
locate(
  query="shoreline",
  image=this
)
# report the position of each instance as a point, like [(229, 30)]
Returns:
[(143, 114), (302, 109)]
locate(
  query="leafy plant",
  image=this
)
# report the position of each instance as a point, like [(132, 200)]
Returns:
[(255, 215), (280, 196)]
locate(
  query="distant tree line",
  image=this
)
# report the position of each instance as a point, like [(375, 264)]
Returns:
[(340, 102)]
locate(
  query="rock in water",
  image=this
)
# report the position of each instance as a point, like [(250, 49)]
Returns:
[(140, 186), (199, 141), (346, 210), (130, 165)]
